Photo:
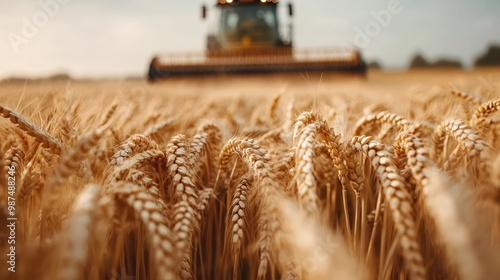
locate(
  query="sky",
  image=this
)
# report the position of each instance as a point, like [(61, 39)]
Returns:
[(95, 38)]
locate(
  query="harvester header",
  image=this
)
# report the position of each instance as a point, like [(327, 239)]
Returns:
[(250, 38)]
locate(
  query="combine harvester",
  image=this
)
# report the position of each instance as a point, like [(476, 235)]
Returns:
[(247, 40)]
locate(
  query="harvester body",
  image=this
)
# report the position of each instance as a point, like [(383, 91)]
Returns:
[(248, 39)]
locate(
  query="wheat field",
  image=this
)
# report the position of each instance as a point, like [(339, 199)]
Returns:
[(312, 177)]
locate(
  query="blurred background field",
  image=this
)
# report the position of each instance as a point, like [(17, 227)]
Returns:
[(379, 86)]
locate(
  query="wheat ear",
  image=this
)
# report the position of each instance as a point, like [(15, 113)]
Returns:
[(336, 150), (32, 130), (208, 141), (468, 251), (480, 117), (109, 114), (304, 168), (273, 108), (134, 144), (268, 190), (317, 253), (472, 99), (158, 128), (236, 228), (151, 157), (81, 228), (68, 164), (163, 251), (399, 201), (457, 219), (180, 170), (366, 124), (466, 137)]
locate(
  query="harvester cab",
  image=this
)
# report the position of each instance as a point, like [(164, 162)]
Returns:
[(247, 24), (249, 38)]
